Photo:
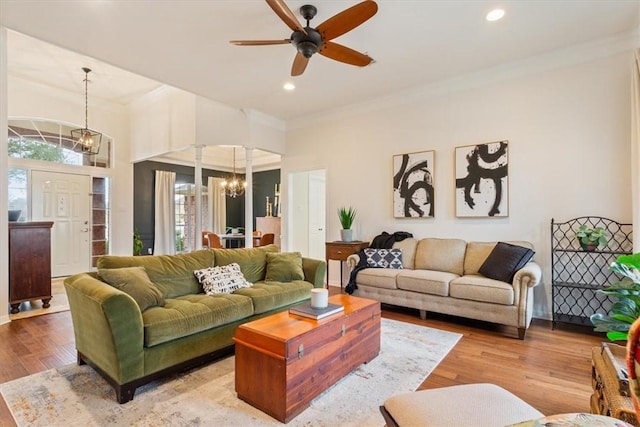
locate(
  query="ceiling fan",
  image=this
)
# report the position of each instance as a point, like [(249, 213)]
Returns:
[(309, 40)]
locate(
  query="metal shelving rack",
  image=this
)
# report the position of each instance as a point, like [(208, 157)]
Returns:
[(577, 274)]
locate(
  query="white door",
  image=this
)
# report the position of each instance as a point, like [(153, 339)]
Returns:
[(317, 214), (64, 199)]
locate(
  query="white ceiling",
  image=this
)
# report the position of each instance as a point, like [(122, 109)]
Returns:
[(185, 43)]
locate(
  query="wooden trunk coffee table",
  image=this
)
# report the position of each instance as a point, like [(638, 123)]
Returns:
[(283, 361)]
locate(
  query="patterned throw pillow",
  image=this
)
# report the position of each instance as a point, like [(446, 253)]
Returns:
[(384, 258), (222, 279)]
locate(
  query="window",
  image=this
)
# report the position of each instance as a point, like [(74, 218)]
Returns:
[(51, 142), (18, 191), (185, 204)]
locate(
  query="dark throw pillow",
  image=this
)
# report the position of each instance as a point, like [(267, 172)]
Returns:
[(135, 282), (284, 267), (504, 260), (383, 258)]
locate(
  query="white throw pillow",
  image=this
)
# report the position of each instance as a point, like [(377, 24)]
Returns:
[(222, 279)]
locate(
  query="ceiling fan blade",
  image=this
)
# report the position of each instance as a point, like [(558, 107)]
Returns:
[(347, 20), (283, 11), (299, 64), (344, 54), (258, 42)]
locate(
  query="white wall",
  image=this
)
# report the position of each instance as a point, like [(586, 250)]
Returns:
[(35, 100), (162, 121), (569, 148)]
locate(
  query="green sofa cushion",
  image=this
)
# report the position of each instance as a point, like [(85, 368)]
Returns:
[(173, 274), (284, 267), (269, 296), (135, 282), (190, 314), (252, 261)]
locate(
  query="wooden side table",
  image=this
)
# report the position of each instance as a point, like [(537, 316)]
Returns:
[(340, 251), (606, 398)]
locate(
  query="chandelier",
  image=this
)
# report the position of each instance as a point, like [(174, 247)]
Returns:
[(86, 141), (233, 186)]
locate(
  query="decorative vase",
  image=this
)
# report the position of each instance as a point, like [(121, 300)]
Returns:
[(346, 235)]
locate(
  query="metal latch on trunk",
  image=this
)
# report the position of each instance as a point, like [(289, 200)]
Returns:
[(300, 351)]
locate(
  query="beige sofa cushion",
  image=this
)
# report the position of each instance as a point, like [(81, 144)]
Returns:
[(425, 281), (479, 288), (378, 277), (441, 255), (408, 248), (478, 252)]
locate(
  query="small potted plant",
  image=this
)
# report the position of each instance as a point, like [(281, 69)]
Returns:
[(626, 309), (346, 216), (137, 243), (591, 238)]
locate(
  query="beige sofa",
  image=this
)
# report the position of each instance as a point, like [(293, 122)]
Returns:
[(441, 275)]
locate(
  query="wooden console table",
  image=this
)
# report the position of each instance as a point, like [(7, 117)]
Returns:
[(606, 398), (340, 251), (29, 263)]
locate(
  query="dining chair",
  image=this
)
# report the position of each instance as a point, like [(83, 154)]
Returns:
[(267, 239), (213, 241), (205, 241), (256, 238)]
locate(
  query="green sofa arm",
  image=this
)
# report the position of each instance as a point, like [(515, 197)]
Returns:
[(107, 325), (314, 270)]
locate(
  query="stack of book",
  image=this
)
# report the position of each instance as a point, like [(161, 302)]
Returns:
[(306, 310)]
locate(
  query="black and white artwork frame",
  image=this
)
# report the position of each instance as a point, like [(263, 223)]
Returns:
[(482, 180), (413, 184)]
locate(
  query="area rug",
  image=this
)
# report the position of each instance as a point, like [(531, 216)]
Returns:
[(76, 395)]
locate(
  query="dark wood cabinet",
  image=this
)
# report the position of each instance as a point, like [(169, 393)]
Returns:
[(29, 263)]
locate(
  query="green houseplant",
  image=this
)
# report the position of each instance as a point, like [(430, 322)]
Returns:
[(626, 309), (346, 217), (137, 243), (591, 238)]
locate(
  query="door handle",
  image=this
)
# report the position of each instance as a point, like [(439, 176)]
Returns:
[(84, 230)]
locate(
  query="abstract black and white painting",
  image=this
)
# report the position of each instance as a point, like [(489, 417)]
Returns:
[(482, 180), (413, 184)]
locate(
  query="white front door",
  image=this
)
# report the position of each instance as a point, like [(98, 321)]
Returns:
[(64, 199)]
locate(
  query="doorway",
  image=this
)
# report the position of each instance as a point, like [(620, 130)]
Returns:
[(307, 224), (64, 199)]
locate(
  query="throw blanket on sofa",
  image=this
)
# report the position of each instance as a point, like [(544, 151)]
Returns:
[(381, 241)]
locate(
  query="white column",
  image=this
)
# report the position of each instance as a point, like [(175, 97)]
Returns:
[(198, 181), (4, 183), (248, 198)]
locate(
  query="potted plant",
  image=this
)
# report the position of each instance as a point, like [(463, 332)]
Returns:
[(137, 243), (346, 216), (626, 309), (591, 238)]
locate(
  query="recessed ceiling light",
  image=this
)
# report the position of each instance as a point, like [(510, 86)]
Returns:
[(495, 14), (289, 86)]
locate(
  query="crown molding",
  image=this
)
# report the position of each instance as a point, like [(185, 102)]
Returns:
[(585, 52)]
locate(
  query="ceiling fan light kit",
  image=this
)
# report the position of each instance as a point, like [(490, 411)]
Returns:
[(308, 40)]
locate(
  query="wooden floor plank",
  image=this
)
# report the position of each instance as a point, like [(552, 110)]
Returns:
[(550, 369)]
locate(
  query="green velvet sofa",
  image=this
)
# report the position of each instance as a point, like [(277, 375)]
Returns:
[(130, 347)]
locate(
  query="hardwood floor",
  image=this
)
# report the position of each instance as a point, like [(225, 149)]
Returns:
[(550, 369)]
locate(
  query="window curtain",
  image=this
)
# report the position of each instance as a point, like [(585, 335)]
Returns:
[(217, 205), (165, 214), (635, 149)]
